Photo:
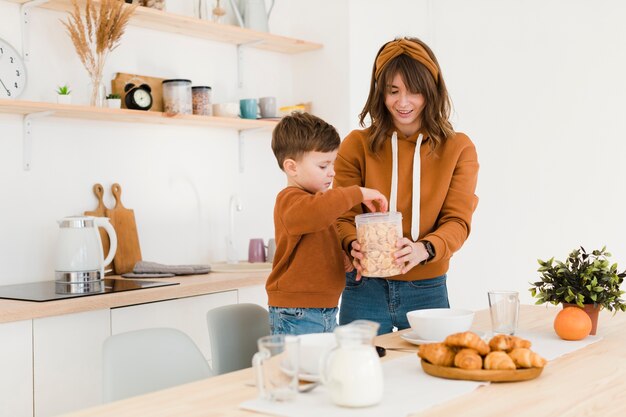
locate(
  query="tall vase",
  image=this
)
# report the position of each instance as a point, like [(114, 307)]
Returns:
[(592, 311), (98, 93)]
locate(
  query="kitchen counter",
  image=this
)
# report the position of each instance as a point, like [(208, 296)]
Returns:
[(190, 285), (590, 381)]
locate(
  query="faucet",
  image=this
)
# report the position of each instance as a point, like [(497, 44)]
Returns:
[(230, 244)]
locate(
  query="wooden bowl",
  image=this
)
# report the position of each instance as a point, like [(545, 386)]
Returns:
[(480, 374)]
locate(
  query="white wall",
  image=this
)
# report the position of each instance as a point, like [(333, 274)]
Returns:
[(538, 85), (177, 179)]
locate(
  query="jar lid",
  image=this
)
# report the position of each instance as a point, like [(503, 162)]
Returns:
[(200, 86), (176, 80)]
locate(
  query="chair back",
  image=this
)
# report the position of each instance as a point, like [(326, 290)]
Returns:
[(234, 331), (148, 360)]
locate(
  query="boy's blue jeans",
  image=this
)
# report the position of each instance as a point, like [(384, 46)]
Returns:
[(387, 301), (296, 320)]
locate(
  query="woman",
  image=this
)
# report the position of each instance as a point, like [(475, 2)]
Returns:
[(429, 172)]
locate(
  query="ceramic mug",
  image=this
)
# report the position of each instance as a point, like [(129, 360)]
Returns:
[(267, 105), (271, 249), (256, 250), (248, 108), (226, 109)]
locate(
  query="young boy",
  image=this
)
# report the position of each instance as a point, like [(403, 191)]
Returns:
[(308, 273)]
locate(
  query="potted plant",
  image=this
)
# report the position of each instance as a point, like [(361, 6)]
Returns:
[(63, 94), (114, 101), (586, 280)]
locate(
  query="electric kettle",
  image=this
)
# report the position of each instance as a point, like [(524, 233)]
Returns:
[(79, 256)]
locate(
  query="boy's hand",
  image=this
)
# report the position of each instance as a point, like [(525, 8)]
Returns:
[(370, 195)]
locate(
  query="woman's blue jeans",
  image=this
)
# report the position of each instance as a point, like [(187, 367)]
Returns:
[(387, 301)]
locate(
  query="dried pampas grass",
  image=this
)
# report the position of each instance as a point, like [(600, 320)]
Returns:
[(96, 33)]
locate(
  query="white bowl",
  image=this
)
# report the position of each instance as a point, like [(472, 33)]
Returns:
[(437, 323), (312, 348)]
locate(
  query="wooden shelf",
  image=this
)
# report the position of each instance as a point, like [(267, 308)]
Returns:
[(129, 116), (205, 29)]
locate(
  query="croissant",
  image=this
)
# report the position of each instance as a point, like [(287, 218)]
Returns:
[(467, 340), (437, 354), (468, 359), (506, 343), (499, 361), (526, 358)]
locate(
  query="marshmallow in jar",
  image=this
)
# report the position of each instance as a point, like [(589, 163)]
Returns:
[(377, 233)]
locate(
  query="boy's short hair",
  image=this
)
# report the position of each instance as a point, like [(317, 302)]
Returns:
[(299, 133)]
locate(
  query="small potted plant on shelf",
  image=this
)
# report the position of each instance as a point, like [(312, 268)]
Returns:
[(114, 101), (63, 94), (586, 280)]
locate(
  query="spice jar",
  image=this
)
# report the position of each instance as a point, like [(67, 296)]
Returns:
[(201, 100), (177, 96), (377, 233)]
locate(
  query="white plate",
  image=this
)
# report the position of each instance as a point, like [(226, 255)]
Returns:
[(413, 338)]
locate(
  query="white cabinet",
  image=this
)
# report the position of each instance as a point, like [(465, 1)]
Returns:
[(186, 314), (16, 369), (67, 360), (254, 294)]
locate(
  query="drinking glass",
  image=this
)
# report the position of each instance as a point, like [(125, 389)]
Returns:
[(504, 309), (276, 366)]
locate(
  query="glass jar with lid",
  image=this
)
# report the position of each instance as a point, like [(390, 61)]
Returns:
[(201, 98), (177, 96)]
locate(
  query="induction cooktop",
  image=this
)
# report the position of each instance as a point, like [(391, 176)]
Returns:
[(45, 291)]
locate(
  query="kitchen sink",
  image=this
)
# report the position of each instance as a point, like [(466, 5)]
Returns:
[(242, 266)]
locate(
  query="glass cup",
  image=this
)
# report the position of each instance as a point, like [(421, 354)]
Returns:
[(504, 310), (276, 367)]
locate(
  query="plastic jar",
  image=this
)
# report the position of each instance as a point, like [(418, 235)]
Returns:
[(377, 233), (201, 98), (177, 96)]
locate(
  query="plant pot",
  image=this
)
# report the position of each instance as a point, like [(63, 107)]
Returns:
[(592, 311), (114, 103), (64, 99)]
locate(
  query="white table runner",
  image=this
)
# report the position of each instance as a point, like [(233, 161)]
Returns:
[(407, 388)]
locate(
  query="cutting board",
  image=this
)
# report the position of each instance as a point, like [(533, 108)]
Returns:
[(100, 211), (123, 221), (121, 79)]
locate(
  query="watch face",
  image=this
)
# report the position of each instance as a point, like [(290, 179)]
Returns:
[(142, 98), (12, 72)]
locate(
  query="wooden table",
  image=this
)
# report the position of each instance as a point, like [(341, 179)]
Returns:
[(588, 382)]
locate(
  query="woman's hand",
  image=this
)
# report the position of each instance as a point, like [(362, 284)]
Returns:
[(357, 256), (410, 254)]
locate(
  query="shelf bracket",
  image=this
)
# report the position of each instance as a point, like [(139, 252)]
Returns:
[(27, 140), (240, 48), (242, 134), (24, 20)]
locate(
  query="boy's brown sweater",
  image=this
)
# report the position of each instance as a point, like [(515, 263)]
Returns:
[(448, 182), (308, 269)]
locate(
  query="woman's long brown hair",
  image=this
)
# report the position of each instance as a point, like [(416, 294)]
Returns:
[(436, 113)]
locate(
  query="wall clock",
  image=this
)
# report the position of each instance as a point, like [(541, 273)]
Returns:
[(12, 72)]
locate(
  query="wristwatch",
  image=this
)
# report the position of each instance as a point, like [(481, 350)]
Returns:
[(429, 248)]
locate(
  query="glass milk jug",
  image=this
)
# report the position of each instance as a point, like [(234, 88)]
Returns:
[(352, 371)]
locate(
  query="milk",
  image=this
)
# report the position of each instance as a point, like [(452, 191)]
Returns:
[(355, 376)]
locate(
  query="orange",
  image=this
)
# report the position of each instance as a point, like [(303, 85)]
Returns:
[(572, 323)]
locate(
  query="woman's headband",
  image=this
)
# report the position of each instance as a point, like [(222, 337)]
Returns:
[(406, 47)]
